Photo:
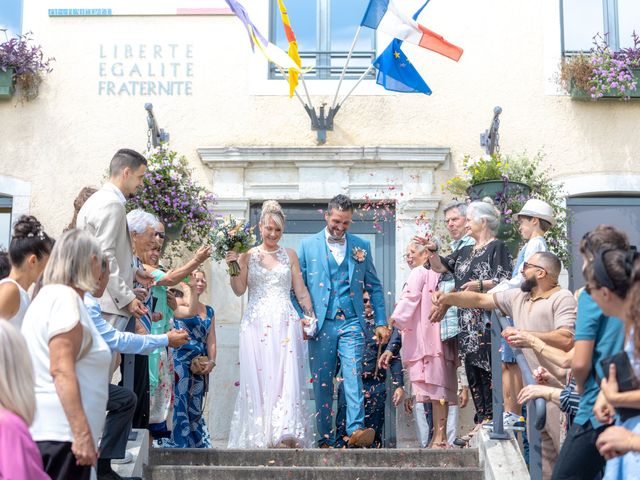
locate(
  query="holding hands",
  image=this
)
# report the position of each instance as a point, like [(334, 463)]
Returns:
[(383, 333)]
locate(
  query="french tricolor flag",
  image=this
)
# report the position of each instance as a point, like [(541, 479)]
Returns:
[(384, 15)]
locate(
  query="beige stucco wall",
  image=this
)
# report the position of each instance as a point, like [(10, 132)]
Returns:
[(64, 139)]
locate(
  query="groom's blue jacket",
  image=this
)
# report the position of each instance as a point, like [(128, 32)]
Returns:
[(314, 264)]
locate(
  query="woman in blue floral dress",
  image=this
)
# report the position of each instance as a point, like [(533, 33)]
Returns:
[(192, 378)]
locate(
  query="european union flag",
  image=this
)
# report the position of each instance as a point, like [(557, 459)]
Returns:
[(396, 73)]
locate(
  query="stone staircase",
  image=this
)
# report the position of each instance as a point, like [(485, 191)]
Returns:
[(313, 464)]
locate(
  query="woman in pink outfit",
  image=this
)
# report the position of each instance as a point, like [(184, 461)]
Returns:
[(19, 456), (430, 363)]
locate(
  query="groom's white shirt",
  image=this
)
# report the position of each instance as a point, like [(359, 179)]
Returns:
[(338, 251)]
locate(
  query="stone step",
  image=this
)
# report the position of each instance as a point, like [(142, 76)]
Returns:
[(353, 458), (176, 472)]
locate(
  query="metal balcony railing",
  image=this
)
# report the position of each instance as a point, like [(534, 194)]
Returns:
[(329, 64), (536, 409)]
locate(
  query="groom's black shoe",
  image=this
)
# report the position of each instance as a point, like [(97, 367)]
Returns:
[(363, 437)]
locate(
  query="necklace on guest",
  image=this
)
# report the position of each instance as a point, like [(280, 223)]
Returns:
[(482, 245)]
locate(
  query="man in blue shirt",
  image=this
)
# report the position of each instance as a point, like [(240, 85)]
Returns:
[(121, 402)]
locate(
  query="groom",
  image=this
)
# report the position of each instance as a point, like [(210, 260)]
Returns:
[(336, 267)]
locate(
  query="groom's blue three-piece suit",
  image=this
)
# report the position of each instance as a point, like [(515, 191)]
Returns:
[(336, 292)]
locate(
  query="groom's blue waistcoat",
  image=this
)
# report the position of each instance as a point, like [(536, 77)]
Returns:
[(315, 259), (340, 298)]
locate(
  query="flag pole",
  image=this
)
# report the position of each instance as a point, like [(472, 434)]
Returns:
[(346, 63), (354, 87), (286, 79), (304, 84)]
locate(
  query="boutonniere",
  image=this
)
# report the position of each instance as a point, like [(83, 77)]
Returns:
[(358, 254)]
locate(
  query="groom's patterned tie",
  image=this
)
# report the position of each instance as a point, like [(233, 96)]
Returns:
[(335, 240)]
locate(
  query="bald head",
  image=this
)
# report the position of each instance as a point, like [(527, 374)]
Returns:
[(550, 262)]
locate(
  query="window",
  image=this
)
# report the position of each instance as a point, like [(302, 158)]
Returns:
[(586, 213), (11, 18), (6, 204), (324, 30), (583, 19)]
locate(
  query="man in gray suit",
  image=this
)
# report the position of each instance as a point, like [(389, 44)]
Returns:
[(104, 215)]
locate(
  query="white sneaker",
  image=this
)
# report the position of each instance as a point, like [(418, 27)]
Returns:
[(128, 458), (513, 420)]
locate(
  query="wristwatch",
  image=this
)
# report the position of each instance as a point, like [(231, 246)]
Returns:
[(434, 250)]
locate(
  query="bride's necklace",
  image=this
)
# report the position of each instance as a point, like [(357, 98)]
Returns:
[(261, 247)]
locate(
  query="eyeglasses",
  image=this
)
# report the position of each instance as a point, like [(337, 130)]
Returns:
[(366, 300), (526, 265), (590, 288), (160, 235)]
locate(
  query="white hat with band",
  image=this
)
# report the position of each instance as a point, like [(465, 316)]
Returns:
[(538, 209)]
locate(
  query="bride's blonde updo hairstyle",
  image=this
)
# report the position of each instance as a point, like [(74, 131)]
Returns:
[(272, 210)]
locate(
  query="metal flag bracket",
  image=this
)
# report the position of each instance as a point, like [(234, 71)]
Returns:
[(490, 138), (155, 134), (320, 122)]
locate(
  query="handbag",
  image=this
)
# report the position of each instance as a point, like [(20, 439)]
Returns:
[(199, 364), (626, 379)]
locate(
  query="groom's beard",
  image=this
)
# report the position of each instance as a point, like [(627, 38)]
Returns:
[(335, 233)]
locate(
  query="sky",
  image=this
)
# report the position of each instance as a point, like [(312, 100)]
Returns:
[(10, 17)]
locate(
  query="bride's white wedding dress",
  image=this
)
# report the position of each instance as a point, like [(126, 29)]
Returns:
[(272, 405)]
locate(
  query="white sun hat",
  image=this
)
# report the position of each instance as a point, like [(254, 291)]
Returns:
[(538, 209)]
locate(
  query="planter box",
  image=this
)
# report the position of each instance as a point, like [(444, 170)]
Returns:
[(492, 188), (578, 94), (6, 84)]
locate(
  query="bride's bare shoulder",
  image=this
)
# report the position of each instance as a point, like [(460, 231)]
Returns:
[(293, 256)]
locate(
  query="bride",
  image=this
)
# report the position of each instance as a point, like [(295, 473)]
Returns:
[(271, 408)]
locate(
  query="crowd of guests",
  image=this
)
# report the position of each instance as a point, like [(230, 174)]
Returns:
[(98, 294)]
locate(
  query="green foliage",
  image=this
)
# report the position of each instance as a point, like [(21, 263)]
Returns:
[(523, 169), (170, 193)]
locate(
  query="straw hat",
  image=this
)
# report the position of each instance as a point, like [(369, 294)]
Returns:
[(538, 209)]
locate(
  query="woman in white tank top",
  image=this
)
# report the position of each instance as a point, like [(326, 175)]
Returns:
[(29, 252)]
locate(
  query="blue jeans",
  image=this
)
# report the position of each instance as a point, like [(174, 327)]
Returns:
[(343, 338)]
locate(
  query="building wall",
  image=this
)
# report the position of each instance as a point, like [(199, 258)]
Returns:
[(64, 139)]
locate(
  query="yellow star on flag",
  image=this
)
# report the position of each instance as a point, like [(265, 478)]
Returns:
[(396, 54)]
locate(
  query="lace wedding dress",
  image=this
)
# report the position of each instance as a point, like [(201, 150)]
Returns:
[(272, 405)]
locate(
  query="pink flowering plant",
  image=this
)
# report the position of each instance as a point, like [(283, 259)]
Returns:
[(603, 72), (170, 193)]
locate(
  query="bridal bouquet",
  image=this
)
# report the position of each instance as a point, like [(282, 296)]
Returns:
[(231, 234)]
